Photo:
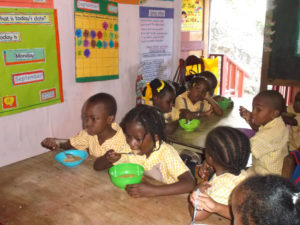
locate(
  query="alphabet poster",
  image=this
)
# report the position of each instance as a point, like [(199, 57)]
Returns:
[(96, 40), (29, 60)]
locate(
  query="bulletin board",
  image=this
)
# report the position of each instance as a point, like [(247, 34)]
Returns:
[(284, 60), (96, 40), (27, 3), (29, 59)]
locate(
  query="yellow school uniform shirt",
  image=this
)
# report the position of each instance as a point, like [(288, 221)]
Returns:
[(268, 148), (181, 99), (222, 186), (164, 164), (294, 133), (83, 141), (170, 116)]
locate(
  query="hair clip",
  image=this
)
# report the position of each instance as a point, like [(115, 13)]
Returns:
[(295, 197), (148, 93), (161, 87)]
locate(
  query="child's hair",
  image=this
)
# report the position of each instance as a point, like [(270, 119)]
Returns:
[(158, 88), (211, 79), (196, 79), (150, 118), (275, 99), (269, 200), (229, 147), (106, 99)]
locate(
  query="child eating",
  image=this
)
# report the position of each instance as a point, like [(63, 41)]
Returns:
[(100, 134), (197, 102), (144, 130), (226, 152), (269, 144), (161, 94)]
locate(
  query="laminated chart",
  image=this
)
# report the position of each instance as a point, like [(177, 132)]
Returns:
[(29, 60), (96, 40)]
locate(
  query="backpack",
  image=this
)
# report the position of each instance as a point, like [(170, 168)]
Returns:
[(296, 174)]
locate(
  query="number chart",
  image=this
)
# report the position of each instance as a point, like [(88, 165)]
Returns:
[(96, 40)]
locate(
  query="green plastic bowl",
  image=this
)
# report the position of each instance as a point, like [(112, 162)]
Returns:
[(189, 126), (225, 103), (126, 173)]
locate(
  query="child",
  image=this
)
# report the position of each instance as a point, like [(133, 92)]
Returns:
[(292, 118), (100, 134), (266, 200), (269, 144), (144, 130), (161, 94), (226, 151), (197, 102)]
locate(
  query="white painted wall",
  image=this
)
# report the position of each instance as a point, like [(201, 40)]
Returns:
[(22, 133)]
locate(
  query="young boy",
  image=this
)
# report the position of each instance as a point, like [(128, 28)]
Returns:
[(292, 118), (100, 134), (269, 144)]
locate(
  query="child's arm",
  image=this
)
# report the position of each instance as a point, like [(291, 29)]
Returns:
[(107, 160), (216, 108), (206, 206), (289, 165), (55, 143), (184, 184), (171, 127)]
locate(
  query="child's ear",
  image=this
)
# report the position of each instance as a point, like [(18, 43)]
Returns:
[(156, 137), (110, 119), (275, 113)]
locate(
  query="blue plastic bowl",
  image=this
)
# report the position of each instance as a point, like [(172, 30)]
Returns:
[(60, 157)]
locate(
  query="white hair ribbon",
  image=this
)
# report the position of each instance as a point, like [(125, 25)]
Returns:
[(295, 197)]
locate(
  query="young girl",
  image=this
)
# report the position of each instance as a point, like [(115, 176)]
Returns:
[(144, 131), (161, 94), (197, 102), (266, 200), (226, 151)]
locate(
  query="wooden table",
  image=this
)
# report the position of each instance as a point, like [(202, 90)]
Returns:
[(196, 139), (40, 191)]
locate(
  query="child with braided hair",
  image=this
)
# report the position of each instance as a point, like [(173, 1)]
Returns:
[(143, 127), (226, 152), (266, 200), (161, 94), (197, 102)]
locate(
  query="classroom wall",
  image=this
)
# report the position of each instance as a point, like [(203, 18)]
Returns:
[(22, 133)]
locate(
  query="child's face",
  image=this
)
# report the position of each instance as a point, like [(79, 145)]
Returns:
[(297, 103), (95, 118), (236, 201), (138, 139), (198, 92), (164, 103), (262, 113)]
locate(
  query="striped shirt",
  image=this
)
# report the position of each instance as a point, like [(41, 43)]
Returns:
[(83, 141)]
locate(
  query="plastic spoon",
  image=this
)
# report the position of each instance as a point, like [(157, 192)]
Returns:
[(195, 207)]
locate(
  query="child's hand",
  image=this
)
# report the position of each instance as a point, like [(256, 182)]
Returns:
[(205, 171), (50, 143), (111, 156), (205, 202), (140, 190), (207, 113), (203, 186), (246, 114)]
